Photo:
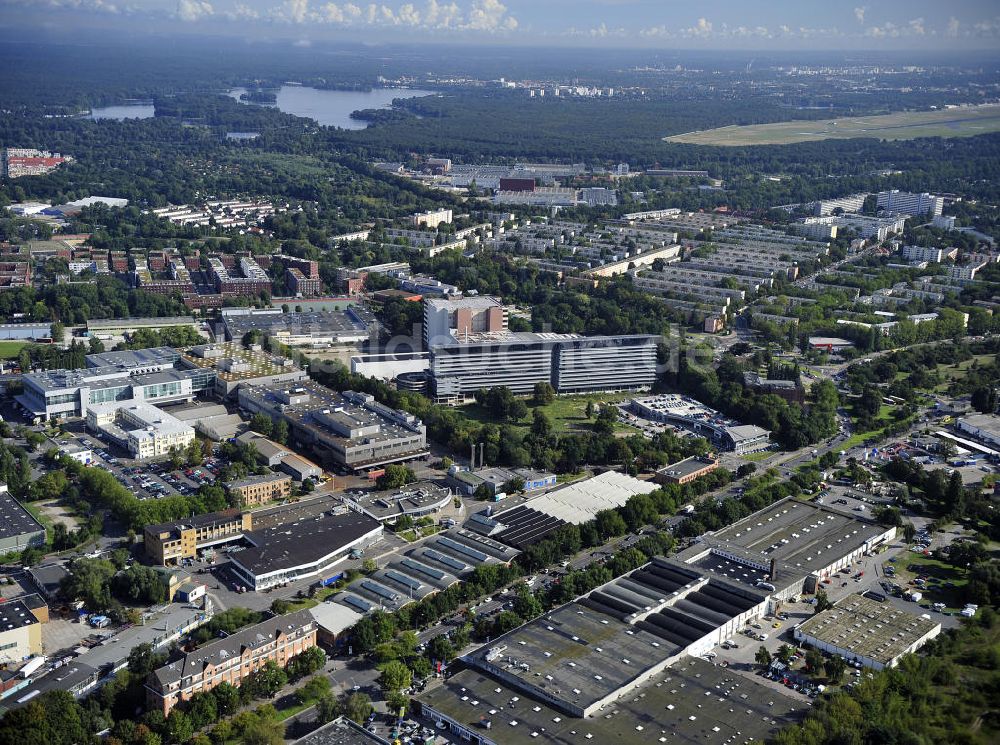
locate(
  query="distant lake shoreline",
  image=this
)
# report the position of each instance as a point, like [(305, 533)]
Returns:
[(333, 108), (330, 108)]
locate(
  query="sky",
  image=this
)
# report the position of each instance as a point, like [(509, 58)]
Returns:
[(957, 25)]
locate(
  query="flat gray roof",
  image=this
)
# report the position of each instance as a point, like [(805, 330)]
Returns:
[(801, 535), (868, 628), (15, 520), (692, 702), (303, 542)]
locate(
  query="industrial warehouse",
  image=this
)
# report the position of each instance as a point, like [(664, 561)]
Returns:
[(309, 547), (573, 504), (787, 548), (867, 631), (630, 640), (303, 329), (434, 565)]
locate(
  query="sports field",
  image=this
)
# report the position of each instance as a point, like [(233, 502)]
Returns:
[(905, 125)]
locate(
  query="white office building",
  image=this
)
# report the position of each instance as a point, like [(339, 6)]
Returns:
[(143, 429)]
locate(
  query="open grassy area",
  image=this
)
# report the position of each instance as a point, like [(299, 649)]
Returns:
[(950, 373), (46, 521), (944, 580), (903, 125), (11, 349), (567, 413), (858, 438)]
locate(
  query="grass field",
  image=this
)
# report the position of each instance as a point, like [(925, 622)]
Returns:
[(909, 565), (11, 349), (567, 413), (903, 125), (950, 373)]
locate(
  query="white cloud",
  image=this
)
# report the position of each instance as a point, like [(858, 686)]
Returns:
[(916, 27), (241, 11), (951, 30), (481, 15), (988, 27), (859, 13), (489, 15), (291, 11), (441, 15), (702, 29), (193, 10)]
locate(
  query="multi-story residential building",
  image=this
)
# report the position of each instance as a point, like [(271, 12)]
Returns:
[(349, 430), (967, 272), (910, 203), (23, 161), (875, 228), (254, 279), (432, 218), (300, 285), (929, 254), (308, 267), (257, 490), (852, 203), (170, 543), (15, 274), (146, 431), (231, 660)]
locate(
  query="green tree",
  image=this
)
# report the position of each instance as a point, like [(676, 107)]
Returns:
[(227, 698), (315, 688), (763, 657), (262, 423), (814, 660), (544, 393), (822, 601), (327, 709), (397, 702), (395, 476), (179, 727), (835, 667), (984, 399), (263, 731), (268, 680), (58, 332), (606, 419), (358, 707), (195, 453), (280, 433), (394, 676)]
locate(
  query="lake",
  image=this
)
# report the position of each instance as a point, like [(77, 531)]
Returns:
[(333, 108), (124, 111)]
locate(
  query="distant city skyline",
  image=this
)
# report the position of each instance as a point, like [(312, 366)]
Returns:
[(656, 24)]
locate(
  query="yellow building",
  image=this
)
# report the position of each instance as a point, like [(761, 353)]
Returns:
[(256, 490), (20, 632), (171, 543)]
